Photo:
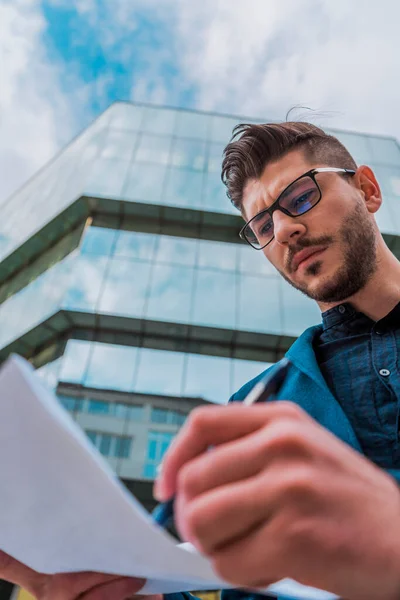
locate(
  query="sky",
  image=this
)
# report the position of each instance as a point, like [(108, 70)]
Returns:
[(62, 62)]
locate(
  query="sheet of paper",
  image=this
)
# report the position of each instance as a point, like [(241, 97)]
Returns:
[(62, 509)]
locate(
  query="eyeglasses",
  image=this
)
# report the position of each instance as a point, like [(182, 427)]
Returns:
[(298, 198)]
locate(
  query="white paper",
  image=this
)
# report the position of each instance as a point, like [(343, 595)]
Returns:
[(62, 509)]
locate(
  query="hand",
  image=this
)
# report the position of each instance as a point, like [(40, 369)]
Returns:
[(280, 496), (70, 586)]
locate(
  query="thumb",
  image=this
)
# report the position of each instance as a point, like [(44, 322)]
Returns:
[(16, 572)]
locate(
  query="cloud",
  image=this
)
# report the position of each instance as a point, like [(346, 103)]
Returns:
[(34, 115), (261, 58), (248, 57)]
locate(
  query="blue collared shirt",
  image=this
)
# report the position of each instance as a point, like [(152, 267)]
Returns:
[(359, 359)]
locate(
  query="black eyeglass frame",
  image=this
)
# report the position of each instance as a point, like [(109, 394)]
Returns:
[(276, 206)]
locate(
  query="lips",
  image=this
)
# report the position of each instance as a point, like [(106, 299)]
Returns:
[(303, 255)]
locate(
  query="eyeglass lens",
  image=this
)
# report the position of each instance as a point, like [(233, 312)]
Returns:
[(297, 199)]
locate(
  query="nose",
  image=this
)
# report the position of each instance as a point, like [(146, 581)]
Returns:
[(287, 229)]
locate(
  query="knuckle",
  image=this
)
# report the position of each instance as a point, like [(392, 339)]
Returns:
[(186, 480), (198, 419), (193, 522), (297, 484), (290, 409), (298, 534), (285, 437)]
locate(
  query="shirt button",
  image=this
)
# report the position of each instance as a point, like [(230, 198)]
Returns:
[(378, 332), (384, 372), (342, 309)]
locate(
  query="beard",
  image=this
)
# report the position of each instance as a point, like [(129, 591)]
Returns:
[(357, 237)]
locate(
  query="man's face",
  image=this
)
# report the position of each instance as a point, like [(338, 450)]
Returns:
[(339, 231)]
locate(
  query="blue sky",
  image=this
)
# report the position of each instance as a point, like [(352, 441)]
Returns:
[(144, 45), (67, 60)]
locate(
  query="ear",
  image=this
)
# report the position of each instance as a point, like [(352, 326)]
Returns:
[(368, 185)]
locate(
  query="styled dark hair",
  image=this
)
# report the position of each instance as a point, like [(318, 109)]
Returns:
[(252, 147)]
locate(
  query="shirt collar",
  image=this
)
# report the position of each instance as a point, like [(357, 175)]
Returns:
[(337, 315)]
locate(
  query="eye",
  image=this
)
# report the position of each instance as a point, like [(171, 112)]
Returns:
[(302, 202)]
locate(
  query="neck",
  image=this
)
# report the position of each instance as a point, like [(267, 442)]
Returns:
[(382, 291)]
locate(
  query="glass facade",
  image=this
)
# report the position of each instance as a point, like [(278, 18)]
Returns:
[(124, 281)]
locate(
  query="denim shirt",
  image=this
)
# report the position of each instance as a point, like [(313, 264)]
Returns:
[(358, 358)]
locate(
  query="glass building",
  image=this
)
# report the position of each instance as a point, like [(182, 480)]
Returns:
[(124, 282)]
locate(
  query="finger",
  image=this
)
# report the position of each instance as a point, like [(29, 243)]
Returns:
[(212, 426), (16, 572), (243, 458), (220, 516), (121, 588), (68, 586), (243, 560)]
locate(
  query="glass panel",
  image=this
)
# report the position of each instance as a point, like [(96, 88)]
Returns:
[(170, 293), (189, 153), (299, 311), (121, 411), (98, 240), (245, 370), (215, 298), (99, 407), (260, 302), (218, 255), (153, 149), (357, 145), (177, 418), (126, 116), (111, 367), (86, 282), (386, 217), (215, 198), (105, 444), (145, 183), (192, 125), (150, 471), (184, 188), (126, 288), (385, 150), (119, 144), (159, 372), (159, 120), (221, 128), (123, 446), (68, 402), (135, 245), (49, 373), (215, 156), (176, 250), (152, 450), (75, 361), (92, 435), (252, 261), (208, 377), (107, 178), (135, 413), (389, 180), (159, 415)]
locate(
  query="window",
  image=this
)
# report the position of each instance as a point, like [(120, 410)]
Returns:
[(157, 445), (170, 417), (159, 415), (122, 447), (119, 446), (99, 407), (70, 403)]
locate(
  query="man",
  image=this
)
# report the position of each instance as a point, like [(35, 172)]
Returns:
[(306, 487)]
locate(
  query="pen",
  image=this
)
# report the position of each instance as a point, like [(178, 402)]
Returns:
[(268, 386)]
